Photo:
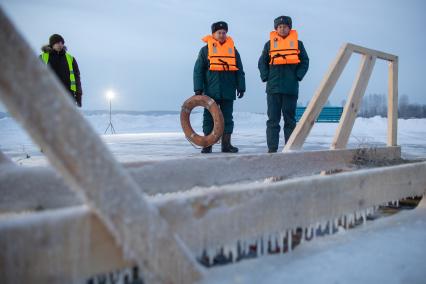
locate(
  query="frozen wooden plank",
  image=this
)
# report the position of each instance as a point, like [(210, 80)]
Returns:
[(353, 104), (57, 246), (323, 92), (41, 188), (313, 110), (4, 160), (205, 219), (224, 215), (376, 53), (33, 189), (393, 103), (78, 153), (183, 174)]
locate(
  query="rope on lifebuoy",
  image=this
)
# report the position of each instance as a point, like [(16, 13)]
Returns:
[(210, 104), (193, 145), (186, 110)]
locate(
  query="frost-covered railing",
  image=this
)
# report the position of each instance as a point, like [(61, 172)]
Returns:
[(100, 216), (353, 103), (228, 218), (34, 96), (16, 182)]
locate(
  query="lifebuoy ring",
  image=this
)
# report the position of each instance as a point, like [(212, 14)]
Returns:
[(213, 108)]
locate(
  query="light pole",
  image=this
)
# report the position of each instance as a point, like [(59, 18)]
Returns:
[(110, 95)]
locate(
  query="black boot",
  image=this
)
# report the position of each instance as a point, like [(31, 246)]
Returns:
[(226, 144), (206, 150)]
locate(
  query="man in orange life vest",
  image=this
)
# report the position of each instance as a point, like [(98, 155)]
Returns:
[(283, 63), (218, 73)]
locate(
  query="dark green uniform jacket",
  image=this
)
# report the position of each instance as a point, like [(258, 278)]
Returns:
[(219, 85), (283, 79)]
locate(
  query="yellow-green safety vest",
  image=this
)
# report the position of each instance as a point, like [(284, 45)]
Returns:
[(73, 86)]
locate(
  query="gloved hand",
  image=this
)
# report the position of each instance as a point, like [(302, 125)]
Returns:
[(240, 94), (198, 93)]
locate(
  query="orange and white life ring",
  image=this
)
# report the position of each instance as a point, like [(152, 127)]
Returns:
[(213, 108)]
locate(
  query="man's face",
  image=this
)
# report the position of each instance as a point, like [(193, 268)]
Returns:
[(283, 30), (220, 35), (58, 46)]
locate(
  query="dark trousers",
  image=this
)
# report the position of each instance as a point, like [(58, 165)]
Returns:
[(227, 108), (277, 104)]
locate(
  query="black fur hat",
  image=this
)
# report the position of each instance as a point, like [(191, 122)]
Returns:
[(55, 38), (286, 20), (219, 26)]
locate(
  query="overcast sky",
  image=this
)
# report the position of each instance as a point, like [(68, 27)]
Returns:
[(145, 50)]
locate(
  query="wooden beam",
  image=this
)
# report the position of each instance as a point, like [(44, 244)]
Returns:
[(368, 51), (353, 104), (86, 164), (67, 245), (206, 219), (245, 168), (393, 103), (314, 108), (222, 216), (40, 188), (311, 113), (4, 160), (34, 189)]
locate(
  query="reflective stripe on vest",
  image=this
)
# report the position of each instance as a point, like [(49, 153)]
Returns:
[(73, 86), (221, 56), (284, 50)]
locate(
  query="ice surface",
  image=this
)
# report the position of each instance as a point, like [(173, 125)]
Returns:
[(146, 137)]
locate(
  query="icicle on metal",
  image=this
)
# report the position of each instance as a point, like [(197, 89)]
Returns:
[(335, 225), (234, 252), (225, 251), (282, 241), (264, 245), (364, 217), (211, 253), (310, 233), (289, 240), (258, 249), (316, 229), (273, 243)]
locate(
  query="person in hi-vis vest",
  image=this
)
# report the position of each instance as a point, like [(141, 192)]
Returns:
[(63, 65), (219, 74), (283, 63)]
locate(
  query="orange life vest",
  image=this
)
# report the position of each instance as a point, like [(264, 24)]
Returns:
[(284, 50), (221, 56)]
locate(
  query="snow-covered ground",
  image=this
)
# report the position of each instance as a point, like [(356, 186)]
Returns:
[(159, 136)]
